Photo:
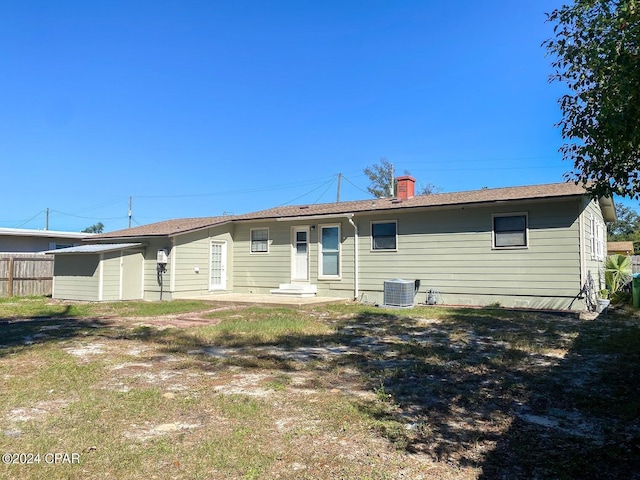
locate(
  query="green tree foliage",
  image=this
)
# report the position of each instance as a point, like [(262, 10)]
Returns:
[(627, 228), (596, 54), (627, 224), (382, 179), (97, 228), (383, 182), (428, 189)]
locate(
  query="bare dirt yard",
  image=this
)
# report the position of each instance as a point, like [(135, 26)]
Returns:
[(326, 392)]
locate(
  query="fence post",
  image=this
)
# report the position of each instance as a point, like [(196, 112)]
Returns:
[(10, 278)]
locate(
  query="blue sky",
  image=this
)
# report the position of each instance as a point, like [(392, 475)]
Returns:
[(199, 108)]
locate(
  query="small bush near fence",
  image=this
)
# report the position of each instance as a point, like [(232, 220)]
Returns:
[(25, 274)]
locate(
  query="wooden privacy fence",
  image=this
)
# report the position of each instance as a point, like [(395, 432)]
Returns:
[(635, 263), (24, 274)]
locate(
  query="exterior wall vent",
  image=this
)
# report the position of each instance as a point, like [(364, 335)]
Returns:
[(399, 293)]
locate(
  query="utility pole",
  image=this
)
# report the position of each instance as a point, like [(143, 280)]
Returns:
[(391, 189), (46, 224), (130, 202), (339, 182)]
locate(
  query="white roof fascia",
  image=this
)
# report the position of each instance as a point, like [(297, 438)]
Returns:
[(24, 232), (608, 208)]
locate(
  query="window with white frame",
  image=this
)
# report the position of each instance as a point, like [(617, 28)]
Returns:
[(329, 251), (510, 230), (598, 238), (259, 240), (384, 235)]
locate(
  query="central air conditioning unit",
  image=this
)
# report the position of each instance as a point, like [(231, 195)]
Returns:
[(399, 293)]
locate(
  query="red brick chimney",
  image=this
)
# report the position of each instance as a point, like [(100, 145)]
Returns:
[(406, 187)]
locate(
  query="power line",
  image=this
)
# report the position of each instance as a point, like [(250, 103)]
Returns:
[(325, 191), (107, 203), (368, 193), (308, 193), (86, 218), (477, 169), (234, 192), (483, 160), (28, 220)]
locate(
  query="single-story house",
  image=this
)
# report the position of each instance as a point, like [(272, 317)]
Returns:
[(23, 240), (621, 248), (530, 246)]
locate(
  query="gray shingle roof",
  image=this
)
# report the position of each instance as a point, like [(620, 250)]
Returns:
[(179, 226)]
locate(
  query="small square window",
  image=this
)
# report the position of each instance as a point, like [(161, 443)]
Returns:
[(260, 240), (510, 231), (384, 235)]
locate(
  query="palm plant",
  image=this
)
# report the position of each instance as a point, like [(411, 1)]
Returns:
[(617, 272)]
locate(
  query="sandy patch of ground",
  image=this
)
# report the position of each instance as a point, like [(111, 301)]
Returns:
[(145, 433)]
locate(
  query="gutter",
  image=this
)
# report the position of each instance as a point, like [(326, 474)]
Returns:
[(302, 218)]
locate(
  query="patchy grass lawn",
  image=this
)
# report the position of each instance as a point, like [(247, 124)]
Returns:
[(202, 390)]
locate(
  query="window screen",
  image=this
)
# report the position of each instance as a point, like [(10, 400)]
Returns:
[(383, 236), (510, 231), (260, 240)]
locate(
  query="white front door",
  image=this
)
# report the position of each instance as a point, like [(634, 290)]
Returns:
[(300, 260), (218, 270)]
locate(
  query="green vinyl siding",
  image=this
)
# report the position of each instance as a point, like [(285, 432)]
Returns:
[(261, 272), (111, 276), (451, 251), (592, 263), (131, 288), (76, 277), (151, 286), (192, 261)]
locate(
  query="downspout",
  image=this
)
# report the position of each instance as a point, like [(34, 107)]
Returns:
[(356, 291)]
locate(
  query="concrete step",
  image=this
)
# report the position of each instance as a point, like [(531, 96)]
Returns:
[(296, 290)]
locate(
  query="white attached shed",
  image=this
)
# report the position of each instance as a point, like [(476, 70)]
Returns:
[(99, 272)]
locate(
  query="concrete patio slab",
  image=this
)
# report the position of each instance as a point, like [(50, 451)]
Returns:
[(268, 299)]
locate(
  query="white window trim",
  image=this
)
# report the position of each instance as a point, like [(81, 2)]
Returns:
[(383, 250), (251, 252), (321, 275), (526, 231), (597, 238), (592, 237)]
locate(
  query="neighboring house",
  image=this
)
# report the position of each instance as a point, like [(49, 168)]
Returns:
[(529, 246), (21, 240), (622, 248)]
